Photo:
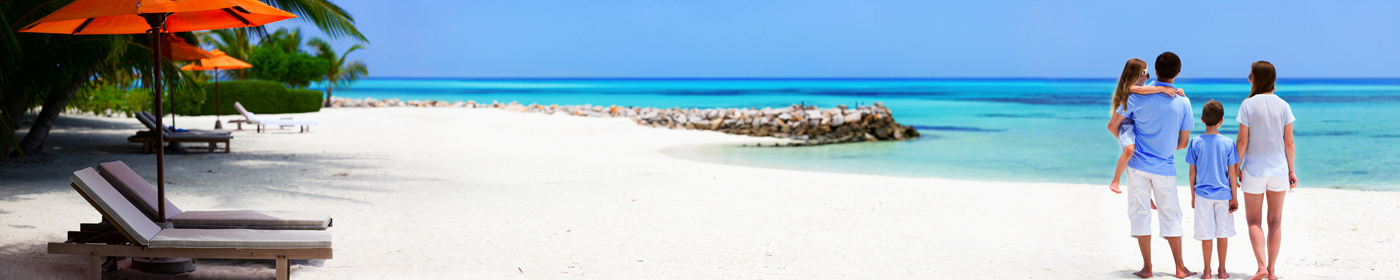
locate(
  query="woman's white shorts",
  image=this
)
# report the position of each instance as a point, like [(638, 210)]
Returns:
[(1257, 185)]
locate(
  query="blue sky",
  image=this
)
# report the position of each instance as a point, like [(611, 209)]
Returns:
[(868, 38)]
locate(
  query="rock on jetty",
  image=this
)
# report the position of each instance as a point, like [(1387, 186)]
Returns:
[(808, 125)]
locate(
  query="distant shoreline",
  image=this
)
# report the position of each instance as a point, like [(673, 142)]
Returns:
[(1283, 80)]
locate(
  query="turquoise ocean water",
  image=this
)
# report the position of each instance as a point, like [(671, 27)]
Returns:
[(1031, 130)]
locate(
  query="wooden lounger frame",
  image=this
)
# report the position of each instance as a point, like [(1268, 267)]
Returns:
[(121, 248), (148, 142)]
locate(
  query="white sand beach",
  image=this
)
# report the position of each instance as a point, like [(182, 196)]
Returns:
[(452, 193)]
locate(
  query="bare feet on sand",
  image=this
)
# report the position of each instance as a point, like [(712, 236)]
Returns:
[(1182, 273), (1205, 275), (1223, 274), (1146, 272), (1263, 273)]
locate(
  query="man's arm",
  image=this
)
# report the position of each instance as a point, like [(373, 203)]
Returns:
[(1183, 140)]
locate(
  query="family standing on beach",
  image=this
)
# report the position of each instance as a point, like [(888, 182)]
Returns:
[(1151, 120)]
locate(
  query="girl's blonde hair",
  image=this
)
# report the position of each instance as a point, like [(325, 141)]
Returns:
[(1131, 72)]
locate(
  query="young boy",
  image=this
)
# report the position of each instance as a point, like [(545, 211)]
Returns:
[(1214, 165)]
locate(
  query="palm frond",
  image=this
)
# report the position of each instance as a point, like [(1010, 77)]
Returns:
[(327, 16)]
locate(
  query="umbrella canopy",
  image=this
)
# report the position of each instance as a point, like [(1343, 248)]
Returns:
[(218, 61), (124, 16), (176, 49), (155, 17)]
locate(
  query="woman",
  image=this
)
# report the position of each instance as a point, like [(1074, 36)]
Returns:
[(1265, 142)]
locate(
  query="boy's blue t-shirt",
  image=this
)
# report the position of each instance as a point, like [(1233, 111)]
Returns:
[(1212, 156), (1158, 120)]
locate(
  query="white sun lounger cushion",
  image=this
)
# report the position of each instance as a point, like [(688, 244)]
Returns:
[(279, 122), (251, 219), (271, 121), (120, 211), (241, 239)]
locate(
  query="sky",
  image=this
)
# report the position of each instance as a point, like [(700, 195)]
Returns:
[(866, 38)]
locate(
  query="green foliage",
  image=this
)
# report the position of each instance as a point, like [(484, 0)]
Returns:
[(278, 57), (186, 100), (111, 100), (262, 97), (304, 100), (36, 66)]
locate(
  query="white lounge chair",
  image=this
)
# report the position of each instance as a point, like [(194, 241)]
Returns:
[(254, 119), (143, 195), (139, 237)]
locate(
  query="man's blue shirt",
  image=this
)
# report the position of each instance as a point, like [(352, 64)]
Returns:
[(1158, 120)]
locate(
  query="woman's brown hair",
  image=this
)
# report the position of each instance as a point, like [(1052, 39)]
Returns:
[(1261, 76), (1131, 72)]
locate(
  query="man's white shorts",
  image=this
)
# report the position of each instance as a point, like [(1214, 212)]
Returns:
[(1213, 219), (1257, 185), (1144, 187)]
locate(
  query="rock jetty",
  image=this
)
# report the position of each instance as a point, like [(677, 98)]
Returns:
[(807, 125)]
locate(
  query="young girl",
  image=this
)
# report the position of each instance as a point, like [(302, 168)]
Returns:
[(1266, 144), (1131, 81)]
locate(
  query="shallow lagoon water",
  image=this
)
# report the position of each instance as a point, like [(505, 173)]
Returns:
[(1033, 130)]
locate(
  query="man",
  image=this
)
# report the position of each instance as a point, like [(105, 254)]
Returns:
[(1163, 125)]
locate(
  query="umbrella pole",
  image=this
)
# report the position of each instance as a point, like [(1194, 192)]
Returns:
[(157, 22), (217, 125)]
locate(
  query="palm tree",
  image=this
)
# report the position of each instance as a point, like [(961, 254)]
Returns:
[(47, 70), (339, 73)]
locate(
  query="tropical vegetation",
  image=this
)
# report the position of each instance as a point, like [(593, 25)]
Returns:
[(338, 73), (105, 74), (263, 97)]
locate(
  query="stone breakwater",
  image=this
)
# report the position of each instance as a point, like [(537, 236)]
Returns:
[(808, 125)]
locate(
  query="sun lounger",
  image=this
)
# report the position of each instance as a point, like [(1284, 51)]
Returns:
[(143, 195), (148, 138), (139, 237), (148, 120), (254, 119)]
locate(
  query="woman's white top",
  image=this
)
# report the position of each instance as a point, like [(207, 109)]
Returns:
[(1265, 115)]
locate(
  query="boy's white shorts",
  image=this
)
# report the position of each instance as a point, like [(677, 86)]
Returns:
[(1144, 187), (1213, 219), (1257, 185)]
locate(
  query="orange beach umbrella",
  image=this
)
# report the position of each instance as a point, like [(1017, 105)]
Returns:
[(176, 49), (155, 17), (219, 61), (179, 50), (131, 16)]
